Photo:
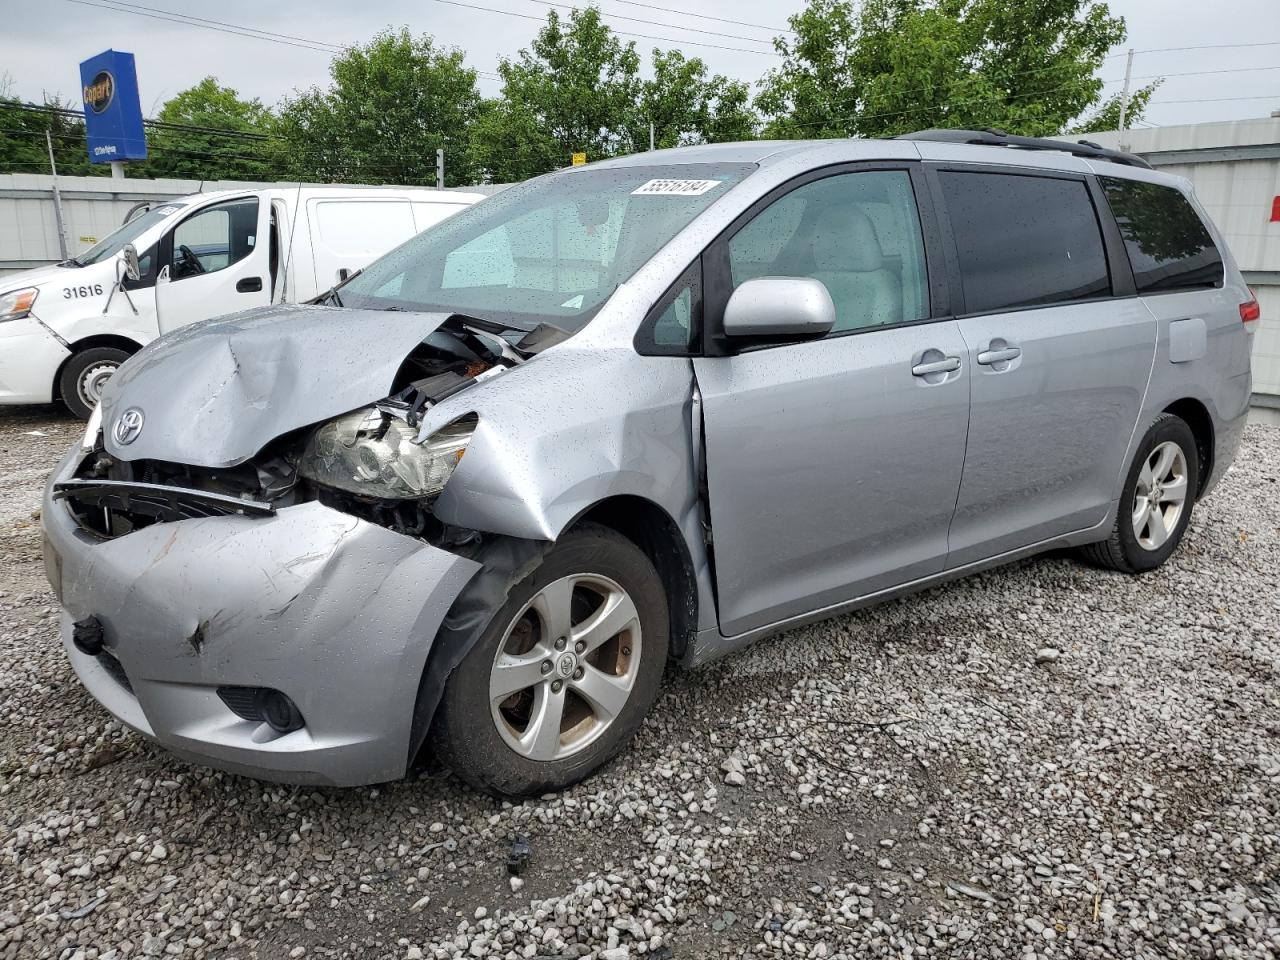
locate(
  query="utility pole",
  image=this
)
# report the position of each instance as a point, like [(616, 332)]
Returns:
[(57, 200), (650, 134), (1124, 97), (440, 168)]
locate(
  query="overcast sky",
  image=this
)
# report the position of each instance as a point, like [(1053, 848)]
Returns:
[(44, 40)]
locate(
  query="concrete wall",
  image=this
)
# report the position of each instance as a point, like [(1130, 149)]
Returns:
[(92, 206)]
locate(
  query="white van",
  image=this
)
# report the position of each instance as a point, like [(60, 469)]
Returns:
[(65, 328)]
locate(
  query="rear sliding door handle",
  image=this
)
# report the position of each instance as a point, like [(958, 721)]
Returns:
[(945, 365), (988, 357)]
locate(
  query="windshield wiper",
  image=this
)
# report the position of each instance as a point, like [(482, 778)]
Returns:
[(72, 262)]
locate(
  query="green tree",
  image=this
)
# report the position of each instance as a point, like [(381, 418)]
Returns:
[(574, 89), (1106, 116), (390, 105), (23, 148), (577, 88), (892, 66), (686, 105), (241, 150), (509, 142)]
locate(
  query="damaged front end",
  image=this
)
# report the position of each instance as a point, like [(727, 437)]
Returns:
[(311, 572), (372, 462)]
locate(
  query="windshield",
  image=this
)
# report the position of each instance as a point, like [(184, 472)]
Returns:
[(114, 242), (551, 250)]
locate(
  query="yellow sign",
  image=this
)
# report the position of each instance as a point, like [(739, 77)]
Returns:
[(579, 159), (87, 239)]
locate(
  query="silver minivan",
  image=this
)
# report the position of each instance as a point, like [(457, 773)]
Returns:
[(476, 498)]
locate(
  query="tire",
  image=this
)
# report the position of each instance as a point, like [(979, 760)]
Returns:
[(1135, 544), (80, 383), (591, 571)]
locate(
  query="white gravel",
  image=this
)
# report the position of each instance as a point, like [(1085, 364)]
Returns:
[(1041, 761)]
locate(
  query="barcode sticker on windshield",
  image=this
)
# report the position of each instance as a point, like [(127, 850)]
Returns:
[(676, 188)]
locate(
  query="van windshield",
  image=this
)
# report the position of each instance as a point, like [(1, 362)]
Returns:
[(551, 250), (114, 242)]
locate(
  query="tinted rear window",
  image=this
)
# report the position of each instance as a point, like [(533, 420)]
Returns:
[(1168, 244), (1024, 240)]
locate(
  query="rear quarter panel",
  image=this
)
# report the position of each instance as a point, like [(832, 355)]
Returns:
[(1218, 375)]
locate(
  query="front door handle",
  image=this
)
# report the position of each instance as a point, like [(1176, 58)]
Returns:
[(249, 285), (1002, 355), (945, 365)]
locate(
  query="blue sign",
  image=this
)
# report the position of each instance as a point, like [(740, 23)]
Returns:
[(112, 112)]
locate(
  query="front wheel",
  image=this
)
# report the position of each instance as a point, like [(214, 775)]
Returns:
[(84, 376), (1155, 506), (565, 672)]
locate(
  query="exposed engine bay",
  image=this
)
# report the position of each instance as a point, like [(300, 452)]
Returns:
[(369, 463)]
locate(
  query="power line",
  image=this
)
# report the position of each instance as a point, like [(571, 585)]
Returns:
[(1264, 96), (623, 33), (267, 34), (1203, 73), (177, 18), (705, 16), (152, 124), (657, 23), (271, 162), (236, 30), (1201, 46)]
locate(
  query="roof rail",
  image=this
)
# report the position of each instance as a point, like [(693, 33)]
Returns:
[(998, 138)]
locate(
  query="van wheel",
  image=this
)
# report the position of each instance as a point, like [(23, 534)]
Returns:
[(84, 376), (1156, 504), (563, 675)]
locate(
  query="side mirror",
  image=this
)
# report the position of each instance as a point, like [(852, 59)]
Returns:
[(779, 307), (132, 269)]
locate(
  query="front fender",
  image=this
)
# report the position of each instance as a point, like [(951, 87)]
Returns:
[(566, 431)]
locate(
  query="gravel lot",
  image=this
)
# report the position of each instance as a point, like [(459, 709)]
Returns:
[(1045, 760)]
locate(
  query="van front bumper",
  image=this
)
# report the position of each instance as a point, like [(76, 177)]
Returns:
[(337, 613), (30, 356)]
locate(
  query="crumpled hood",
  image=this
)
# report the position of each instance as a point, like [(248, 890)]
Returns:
[(214, 393)]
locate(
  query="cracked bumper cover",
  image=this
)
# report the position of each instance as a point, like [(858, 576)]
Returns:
[(337, 613)]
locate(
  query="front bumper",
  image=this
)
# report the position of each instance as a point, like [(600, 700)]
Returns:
[(30, 356), (336, 612)]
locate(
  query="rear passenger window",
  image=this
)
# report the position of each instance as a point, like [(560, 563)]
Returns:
[(1024, 240), (1168, 244), (859, 233)]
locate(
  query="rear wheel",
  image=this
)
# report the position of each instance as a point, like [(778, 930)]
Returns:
[(1155, 507), (565, 672), (84, 376)]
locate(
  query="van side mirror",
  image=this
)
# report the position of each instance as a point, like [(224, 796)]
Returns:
[(132, 269), (779, 307)]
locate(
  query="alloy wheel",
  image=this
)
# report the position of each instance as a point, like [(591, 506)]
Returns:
[(1160, 496), (566, 667)]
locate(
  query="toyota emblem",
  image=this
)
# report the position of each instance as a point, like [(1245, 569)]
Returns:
[(128, 427)]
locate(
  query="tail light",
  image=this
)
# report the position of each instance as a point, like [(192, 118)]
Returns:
[(1250, 313)]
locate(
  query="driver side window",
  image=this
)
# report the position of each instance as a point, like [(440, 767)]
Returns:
[(859, 233), (214, 239)]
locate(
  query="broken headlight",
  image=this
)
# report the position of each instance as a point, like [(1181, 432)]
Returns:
[(375, 454)]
